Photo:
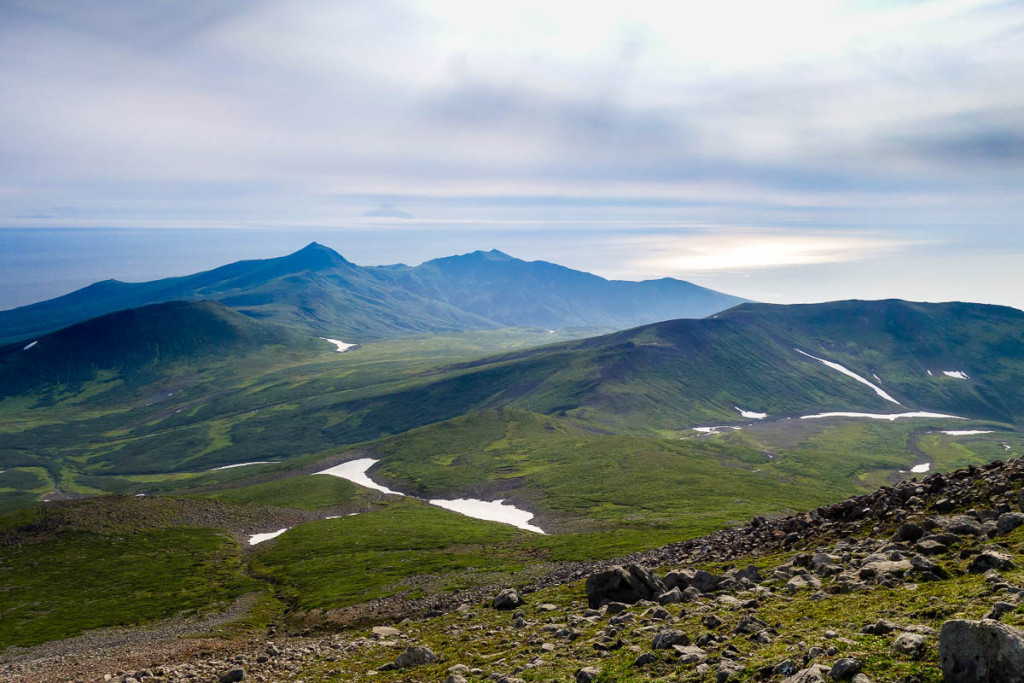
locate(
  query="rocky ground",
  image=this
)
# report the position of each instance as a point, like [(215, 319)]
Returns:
[(903, 584)]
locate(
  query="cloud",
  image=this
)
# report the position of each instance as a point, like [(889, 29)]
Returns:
[(738, 249)]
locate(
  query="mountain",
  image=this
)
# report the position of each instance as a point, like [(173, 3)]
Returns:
[(318, 290), (755, 357), (135, 340), (516, 293)]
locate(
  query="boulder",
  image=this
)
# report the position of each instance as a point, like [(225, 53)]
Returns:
[(666, 639), (705, 581), (909, 644), (507, 599), (623, 584), (814, 674), (415, 656), (990, 559), (750, 573), (981, 652), (1008, 521), (233, 676), (587, 674), (908, 533), (845, 669)]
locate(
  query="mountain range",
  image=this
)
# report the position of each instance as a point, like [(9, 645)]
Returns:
[(318, 290)]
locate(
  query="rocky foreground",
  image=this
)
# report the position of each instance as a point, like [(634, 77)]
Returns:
[(917, 582)]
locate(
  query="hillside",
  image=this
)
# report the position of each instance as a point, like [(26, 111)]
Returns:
[(916, 582), (317, 290), (133, 342)]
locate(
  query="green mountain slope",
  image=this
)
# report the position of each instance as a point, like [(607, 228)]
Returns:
[(135, 341), (316, 289)]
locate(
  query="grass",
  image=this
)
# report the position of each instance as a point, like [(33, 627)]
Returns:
[(63, 585), (305, 493), (345, 561)]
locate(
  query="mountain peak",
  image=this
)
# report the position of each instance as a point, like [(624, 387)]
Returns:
[(316, 256)]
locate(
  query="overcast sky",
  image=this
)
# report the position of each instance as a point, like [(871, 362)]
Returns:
[(784, 151)]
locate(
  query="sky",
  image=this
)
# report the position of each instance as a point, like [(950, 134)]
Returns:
[(786, 151)]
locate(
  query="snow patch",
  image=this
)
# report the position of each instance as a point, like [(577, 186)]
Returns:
[(921, 469), (850, 373), (355, 472), (493, 511), (751, 414), (955, 374), (714, 430), (966, 432), (341, 346), (929, 373), (876, 416), (29, 345), (259, 538), (245, 464)]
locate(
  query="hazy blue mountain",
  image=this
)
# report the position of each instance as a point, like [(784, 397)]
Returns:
[(516, 293), (316, 289)]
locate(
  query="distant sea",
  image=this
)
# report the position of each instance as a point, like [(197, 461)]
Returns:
[(41, 263)]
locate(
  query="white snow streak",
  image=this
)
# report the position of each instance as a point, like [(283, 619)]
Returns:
[(849, 373)]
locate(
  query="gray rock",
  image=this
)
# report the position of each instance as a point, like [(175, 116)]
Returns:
[(750, 573), (962, 525), (786, 667), (509, 598), (415, 656), (587, 674), (689, 654), (645, 659), (233, 676), (931, 547), (846, 668), (666, 639), (678, 579), (908, 533), (990, 559), (386, 632), (623, 584), (1008, 521), (455, 678), (672, 597), (728, 671), (814, 674), (909, 644), (981, 652), (999, 610), (705, 581), (923, 564)]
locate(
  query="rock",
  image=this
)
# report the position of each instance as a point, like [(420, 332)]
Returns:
[(689, 654), (705, 581), (981, 652), (999, 610), (923, 564), (728, 671), (786, 667), (455, 678), (931, 547), (910, 644), (750, 573), (1008, 521), (507, 599), (386, 632), (814, 674), (908, 533), (711, 621), (415, 656), (846, 668), (587, 674), (666, 639), (749, 625), (672, 597), (881, 570), (624, 584), (233, 676), (990, 559), (645, 659), (962, 525), (861, 678), (801, 583), (615, 608), (880, 628)]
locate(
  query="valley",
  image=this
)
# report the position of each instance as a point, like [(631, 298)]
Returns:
[(328, 481)]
